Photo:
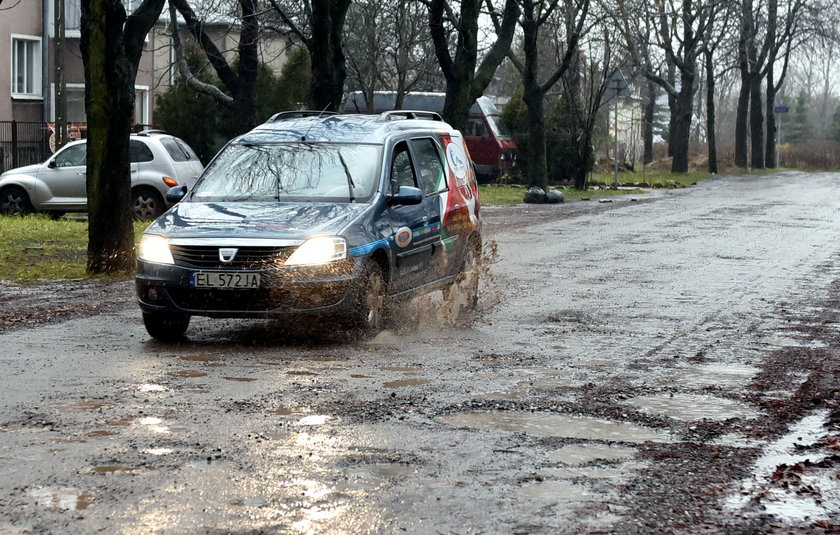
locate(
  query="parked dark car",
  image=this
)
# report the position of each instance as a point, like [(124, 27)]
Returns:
[(329, 216)]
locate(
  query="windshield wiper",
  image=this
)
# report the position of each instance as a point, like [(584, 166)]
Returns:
[(350, 183)]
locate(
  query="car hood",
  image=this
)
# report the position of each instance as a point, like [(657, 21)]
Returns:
[(31, 170), (255, 220)]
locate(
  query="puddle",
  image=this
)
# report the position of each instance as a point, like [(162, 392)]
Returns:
[(405, 382), (589, 473), (112, 469), (717, 375), (286, 411), (691, 407), (195, 391), (159, 451), (369, 476), (558, 491), (152, 388), (548, 383), (240, 379), (316, 419), (360, 376), (101, 434), (300, 372), (498, 395), (405, 369), (556, 425), (200, 358), (153, 423), (121, 422), (63, 499), (83, 405), (769, 484), (583, 454), (187, 373)]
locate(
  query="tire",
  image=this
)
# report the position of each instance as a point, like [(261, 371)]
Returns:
[(370, 311), (166, 326), (14, 201), (146, 204)]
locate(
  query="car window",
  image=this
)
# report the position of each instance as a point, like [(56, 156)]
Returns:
[(139, 152), (72, 156), (174, 149), (334, 172), (401, 172), (429, 165), (191, 155), (476, 127)]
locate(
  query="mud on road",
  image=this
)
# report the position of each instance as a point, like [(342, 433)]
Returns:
[(665, 364)]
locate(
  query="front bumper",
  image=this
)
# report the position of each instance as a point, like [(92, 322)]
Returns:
[(302, 290)]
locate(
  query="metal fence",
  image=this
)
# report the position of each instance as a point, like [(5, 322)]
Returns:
[(23, 143)]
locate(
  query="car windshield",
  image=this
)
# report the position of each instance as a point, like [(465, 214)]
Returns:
[(498, 125), (291, 172)]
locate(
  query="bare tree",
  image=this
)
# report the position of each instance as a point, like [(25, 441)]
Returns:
[(458, 33), (319, 24), (111, 45), (535, 16)]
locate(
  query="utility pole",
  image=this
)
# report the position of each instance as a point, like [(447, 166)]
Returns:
[(60, 82)]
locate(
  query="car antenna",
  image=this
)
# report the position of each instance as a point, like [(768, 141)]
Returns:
[(303, 137)]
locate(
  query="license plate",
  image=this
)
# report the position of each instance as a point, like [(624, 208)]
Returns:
[(224, 280)]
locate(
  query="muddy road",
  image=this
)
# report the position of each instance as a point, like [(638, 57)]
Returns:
[(663, 364)]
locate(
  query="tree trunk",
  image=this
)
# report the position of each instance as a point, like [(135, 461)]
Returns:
[(772, 130), (681, 135), (327, 54), (756, 124), (710, 112), (111, 49), (533, 98), (647, 121)]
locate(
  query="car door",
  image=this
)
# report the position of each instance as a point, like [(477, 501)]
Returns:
[(409, 225), (65, 180), (426, 153)]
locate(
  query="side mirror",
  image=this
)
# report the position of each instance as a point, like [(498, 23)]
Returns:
[(405, 196), (173, 195), (51, 164)]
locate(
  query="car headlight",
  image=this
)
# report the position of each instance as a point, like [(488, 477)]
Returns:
[(155, 249), (319, 250)]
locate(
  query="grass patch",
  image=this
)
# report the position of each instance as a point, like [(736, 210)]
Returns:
[(662, 179), (35, 247), (499, 195)]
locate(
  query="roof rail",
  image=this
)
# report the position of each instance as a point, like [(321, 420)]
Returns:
[(298, 114), (410, 114), (150, 131)]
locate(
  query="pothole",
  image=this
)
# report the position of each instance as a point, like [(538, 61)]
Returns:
[(62, 499), (556, 425), (691, 407), (577, 455)]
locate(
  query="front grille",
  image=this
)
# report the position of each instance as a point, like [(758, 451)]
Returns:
[(207, 257)]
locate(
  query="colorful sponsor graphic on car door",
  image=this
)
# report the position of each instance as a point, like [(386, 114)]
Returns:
[(459, 208)]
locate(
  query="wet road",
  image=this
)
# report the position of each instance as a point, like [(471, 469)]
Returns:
[(639, 366)]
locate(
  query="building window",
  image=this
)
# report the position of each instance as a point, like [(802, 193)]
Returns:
[(26, 66), (72, 18)]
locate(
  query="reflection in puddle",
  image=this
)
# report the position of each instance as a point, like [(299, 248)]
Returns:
[(405, 382), (691, 407), (62, 499), (83, 405), (558, 491), (112, 469), (159, 451), (556, 425), (369, 476), (584, 454), (316, 419), (154, 424), (187, 373), (152, 388), (816, 492), (120, 422), (717, 375)]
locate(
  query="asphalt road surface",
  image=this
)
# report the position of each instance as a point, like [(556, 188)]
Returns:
[(666, 363)]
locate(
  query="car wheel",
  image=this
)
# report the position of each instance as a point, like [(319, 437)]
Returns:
[(166, 326), (462, 295), (146, 204), (14, 201), (369, 314)]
